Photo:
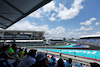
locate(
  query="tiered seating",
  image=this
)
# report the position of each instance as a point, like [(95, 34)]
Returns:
[(89, 41)]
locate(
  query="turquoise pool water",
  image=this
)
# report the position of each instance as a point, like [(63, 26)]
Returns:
[(84, 53)]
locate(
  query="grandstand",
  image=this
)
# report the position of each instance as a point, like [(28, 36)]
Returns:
[(22, 37), (90, 40), (18, 34), (54, 41)]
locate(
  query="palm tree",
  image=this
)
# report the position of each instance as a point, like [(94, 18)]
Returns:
[(64, 39)]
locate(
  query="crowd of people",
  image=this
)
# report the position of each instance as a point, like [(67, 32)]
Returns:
[(89, 41), (33, 58)]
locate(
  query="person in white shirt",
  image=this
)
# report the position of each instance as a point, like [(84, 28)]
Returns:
[(28, 60)]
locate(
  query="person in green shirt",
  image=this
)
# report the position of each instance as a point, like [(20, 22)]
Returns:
[(10, 50)]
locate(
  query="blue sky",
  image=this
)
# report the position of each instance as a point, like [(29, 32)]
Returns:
[(64, 18)]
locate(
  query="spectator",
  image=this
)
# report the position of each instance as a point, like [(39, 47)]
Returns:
[(10, 50), (94, 64), (41, 61), (84, 65), (28, 60), (14, 47), (25, 51), (22, 53), (60, 63), (81, 65), (77, 64), (60, 55), (52, 60), (68, 64), (5, 55)]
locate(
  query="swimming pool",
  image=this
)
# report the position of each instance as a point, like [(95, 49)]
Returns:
[(83, 53)]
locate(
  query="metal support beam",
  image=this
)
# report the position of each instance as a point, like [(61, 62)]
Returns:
[(31, 36), (2, 34), (6, 18), (3, 24), (13, 6)]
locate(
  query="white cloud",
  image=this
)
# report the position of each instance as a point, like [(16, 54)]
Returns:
[(62, 12), (57, 31), (75, 34), (50, 7), (83, 29), (96, 23), (65, 13), (54, 32), (33, 23), (26, 25), (52, 18), (88, 22), (98, 32), (36, 14)]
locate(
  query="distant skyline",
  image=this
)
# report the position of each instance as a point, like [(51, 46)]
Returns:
[(64, 18)]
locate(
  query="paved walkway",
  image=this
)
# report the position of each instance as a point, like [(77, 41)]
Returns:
[(83, 60)]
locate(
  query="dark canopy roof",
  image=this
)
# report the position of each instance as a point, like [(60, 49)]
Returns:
[(12, 11)]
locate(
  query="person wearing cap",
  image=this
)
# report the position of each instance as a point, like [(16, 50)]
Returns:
[(68, 64), (41, 61), (28, 60)]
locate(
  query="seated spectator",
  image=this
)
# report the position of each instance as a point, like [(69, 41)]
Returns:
[(52, 61), (21, 53), (5, 55), (25, 51), (64, 60), (68, 64), (60, 63), (81, 65), (41, 61), (57, 58), (14, 47), (10, 50), (28, 60), (77, 64), (84, 65), (95, 64)]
